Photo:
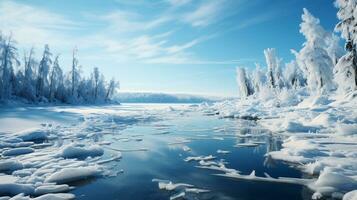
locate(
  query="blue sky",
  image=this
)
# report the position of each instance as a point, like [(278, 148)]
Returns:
[(175, 46)]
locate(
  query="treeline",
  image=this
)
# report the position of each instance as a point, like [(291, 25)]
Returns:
[(321, 65), (43, 80)]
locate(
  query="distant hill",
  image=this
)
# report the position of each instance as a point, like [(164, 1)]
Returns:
[(147, 97)]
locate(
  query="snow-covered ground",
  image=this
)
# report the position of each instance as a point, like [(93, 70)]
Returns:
[(320, 138)]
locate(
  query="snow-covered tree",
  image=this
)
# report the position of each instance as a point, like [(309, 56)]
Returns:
[(293, 75), (44, 81), (274, 69), (346, 68), (43, 71), (313, 59), (74, 76), (258, 78), (245, 87), (28, 89), (8, 61), (113, 84), (56, 80)]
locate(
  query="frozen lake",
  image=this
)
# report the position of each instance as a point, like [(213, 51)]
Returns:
[(205, 135), (157, 141)]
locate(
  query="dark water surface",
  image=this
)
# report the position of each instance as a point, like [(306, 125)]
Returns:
[(207, 134)]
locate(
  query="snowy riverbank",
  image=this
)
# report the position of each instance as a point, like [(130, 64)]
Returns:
[(321, 138)]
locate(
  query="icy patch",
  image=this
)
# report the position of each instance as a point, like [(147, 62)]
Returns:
[(80, 151)]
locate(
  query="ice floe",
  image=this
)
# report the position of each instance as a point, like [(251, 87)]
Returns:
[(182, 190)]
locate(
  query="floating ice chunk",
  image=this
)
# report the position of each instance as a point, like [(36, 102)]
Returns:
[(15, 188), (58, 196), (196, 190), (171, 186), (186, 148), (222, 151), (252, 176), (24, 172), (78, 151), (168, 185), (73, 174), (45, 189), (179, 195), (32, 134), (220, 167), (6, 144), (10, 165), (199, 158), (352, 195), (17, 151), (207, 163), (248, 144)]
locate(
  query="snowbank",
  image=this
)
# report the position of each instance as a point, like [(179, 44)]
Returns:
[(319, 138)]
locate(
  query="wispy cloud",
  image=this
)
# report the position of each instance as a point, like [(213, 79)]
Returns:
[(127, 21), (205, 14)]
